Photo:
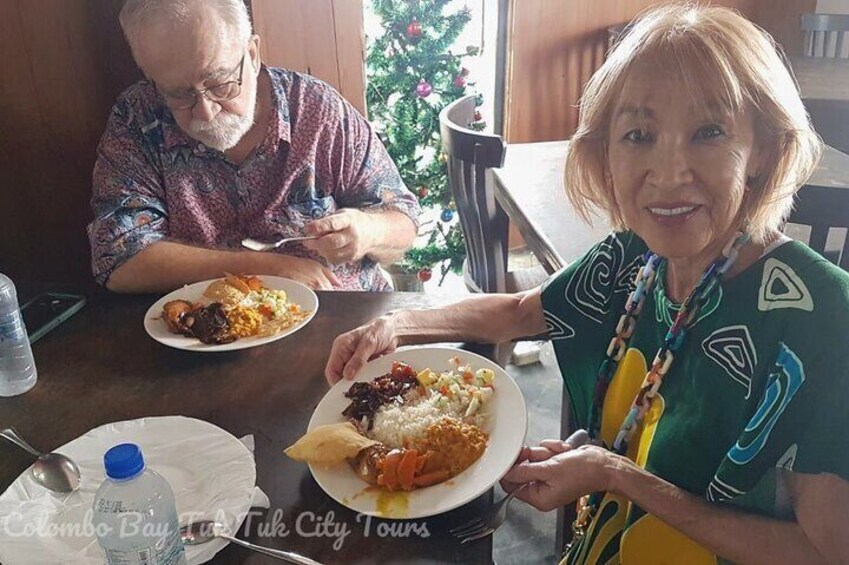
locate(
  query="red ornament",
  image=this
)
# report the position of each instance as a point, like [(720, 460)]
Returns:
[(478, 116), (414, 29), (422, 191), (459, 81), (425, 274), (424, 89)]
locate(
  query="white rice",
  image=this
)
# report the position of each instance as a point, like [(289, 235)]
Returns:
[(403, 425)]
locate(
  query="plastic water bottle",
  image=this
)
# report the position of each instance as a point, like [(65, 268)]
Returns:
[(135, 517), (17, 367)]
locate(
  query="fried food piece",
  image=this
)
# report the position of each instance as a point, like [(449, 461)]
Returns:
[(224, 292), (237, 282), (329, 445), (253, 282), (366, 463), (174, 313)]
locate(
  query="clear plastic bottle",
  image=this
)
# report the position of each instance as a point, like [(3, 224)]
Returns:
[(135, 517), (17, 366)]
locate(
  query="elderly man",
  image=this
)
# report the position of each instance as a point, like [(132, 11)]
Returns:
[(215, 147)]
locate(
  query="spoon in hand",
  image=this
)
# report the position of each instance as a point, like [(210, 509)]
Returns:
[(255, 245), (53, 471), (203, 531)]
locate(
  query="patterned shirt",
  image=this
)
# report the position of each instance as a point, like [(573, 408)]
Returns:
[(760, 383), (152, 182)]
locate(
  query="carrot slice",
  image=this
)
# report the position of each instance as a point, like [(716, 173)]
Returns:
[(431, 478), (407, 469), (421, 460), (390, 469)]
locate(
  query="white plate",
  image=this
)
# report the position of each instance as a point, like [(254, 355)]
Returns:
[(210, 471), (508, 423), (158, 329)]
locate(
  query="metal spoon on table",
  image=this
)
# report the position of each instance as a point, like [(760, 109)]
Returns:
[(203, 531), (53, 471)]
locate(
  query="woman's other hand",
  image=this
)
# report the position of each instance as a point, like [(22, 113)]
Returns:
[(544, 451), (561, 474), (355, 348)]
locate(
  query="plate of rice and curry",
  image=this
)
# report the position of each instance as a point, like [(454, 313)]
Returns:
[(418, 432), (233, 312)]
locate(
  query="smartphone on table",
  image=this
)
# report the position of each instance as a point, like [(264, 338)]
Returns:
[(48, 310)]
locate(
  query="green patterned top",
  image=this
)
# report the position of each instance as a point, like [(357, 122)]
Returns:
[(761, 382)]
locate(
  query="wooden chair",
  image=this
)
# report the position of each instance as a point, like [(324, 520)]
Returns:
[(615, 33), (831, 120), (565, 514), (471, 157), (822, 31), (823, 208)]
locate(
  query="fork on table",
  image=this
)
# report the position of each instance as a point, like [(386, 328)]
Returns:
[(485, 525), (255, 245)]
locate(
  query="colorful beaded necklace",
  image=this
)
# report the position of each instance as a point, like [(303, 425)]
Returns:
[(674, 339)]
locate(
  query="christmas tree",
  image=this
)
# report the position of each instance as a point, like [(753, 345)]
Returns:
[(412, 75)]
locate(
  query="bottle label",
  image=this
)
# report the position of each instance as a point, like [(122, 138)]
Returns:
[(12, 329), (167, 551)]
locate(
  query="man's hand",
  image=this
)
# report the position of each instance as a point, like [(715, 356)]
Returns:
[(306, 271), (343, 237)]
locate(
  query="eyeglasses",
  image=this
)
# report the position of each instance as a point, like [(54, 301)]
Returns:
[(187, 98)]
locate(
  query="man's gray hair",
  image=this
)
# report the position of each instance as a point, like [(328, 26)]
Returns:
[(136, 14)]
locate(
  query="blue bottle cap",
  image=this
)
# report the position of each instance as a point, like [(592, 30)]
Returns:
[(123, 461)]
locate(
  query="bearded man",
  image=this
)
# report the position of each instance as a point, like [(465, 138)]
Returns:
[(215, 147)]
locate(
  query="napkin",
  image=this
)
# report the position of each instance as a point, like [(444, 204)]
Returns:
[(211, 472), (259, 499)]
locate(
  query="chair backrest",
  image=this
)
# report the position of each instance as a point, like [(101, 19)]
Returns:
[(823, 208), (831, 120), (615, 33), (471, 155), (824, 34)]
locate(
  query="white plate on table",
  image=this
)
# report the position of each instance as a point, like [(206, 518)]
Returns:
[(157, 328), (211, 472), (508, 422)]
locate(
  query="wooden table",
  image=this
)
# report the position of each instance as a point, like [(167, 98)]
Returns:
[(529, 187), (101, 367), (822, 78)]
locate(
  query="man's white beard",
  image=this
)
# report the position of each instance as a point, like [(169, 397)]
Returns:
[(225, 130)]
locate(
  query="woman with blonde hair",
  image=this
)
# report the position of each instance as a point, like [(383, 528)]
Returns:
[(701, 348)]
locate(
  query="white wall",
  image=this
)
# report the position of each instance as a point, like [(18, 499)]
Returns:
[(833, 6)]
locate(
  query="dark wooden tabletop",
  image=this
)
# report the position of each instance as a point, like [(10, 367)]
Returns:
[(822, 78), (100, 366), (529, 187)]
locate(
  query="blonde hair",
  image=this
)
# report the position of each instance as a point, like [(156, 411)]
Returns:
[(721, 58)]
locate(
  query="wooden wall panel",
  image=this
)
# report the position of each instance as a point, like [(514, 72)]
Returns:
[(351, 51), (321, 37), (555, 46), (781, 18), (63, 64)]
